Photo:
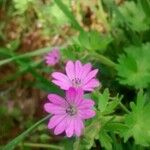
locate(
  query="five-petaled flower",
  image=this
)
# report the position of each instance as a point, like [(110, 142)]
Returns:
[(53, 57), (77, 75), (69, 113)]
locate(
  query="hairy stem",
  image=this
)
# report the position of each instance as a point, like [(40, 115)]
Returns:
[(124, 108), (104, 60), (40, 145)]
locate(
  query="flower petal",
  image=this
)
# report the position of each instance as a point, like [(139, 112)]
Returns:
[(71, 95), (54, 109), (70, 70), (57, 100), (90, 75), (79, 96), (86, 104), (60, 127), (85, 70), (86, 113), (61, 77), (62, 85), (54, 120), (91, 85), (78, 125), (70, 127), (74, 95), (78, 69)]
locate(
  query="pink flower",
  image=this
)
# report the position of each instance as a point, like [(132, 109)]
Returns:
[(78, 75), (53, 57), (69, 113)]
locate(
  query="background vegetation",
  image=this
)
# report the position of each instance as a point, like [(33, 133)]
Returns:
[(111, 34)]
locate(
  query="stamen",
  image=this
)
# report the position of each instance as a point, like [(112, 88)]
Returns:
[(76, 82), (71, 110)]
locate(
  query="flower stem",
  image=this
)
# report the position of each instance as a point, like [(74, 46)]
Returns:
[(104, 60), (40, 145), (124, 108)]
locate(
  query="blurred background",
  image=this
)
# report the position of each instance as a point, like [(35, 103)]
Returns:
[(29, 29)]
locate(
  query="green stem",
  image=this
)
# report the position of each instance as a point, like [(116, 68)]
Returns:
[(12, 144), (40, 145), (104, 60), (29, 54), (124, 108), (102, 15)]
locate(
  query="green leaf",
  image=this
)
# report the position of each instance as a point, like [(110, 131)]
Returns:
[(68, 14), (133, 68), (137, 122), (105, 140), (103, 100), (146, 6), (116, 127), (135, 16), (94, 40), (59, 17), (12, 144), (107, 104), (22, 6)]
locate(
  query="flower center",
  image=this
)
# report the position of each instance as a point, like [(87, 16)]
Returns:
[(76, 82), (71, 110)]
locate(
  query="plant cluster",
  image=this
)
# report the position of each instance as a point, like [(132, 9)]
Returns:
[(110, 111)]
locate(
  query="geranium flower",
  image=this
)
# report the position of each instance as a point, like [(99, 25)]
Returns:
[(78, 75), (69, 113), (53, 57)]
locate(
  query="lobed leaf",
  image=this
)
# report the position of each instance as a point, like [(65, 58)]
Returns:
[(133, 67)]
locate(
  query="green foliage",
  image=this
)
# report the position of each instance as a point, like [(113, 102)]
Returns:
[(105, 139), (135, 16), (94, 41), (12, 144), (101, 126), (22, 5), (25, 55), (107, 104), (69, 14), (125, 25), (59, 16), (133, 67), (137, 122), (91, 133)]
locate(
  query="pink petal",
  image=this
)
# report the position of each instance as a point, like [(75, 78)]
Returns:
[(62, 85), (54, 109), (86, 104), (86, 113), (78, 69), (70, 127), (50, 62), (91, 84), (71, 95), (57, 100), (79, 96), (74, 95), (61, 77), (70, 70), (90, 75), (85, 70), (78, 125), (60, 127), (54, 120)]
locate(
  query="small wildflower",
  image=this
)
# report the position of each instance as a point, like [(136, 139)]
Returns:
[(78, 75), (53, 57), (69, 113)]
